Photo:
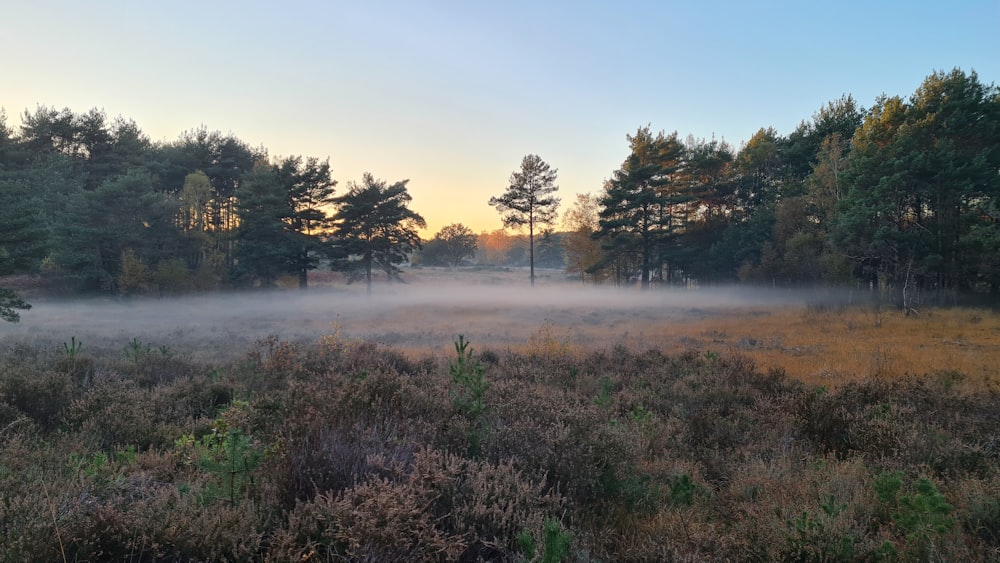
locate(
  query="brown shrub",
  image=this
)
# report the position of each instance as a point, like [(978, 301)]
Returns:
[(41, 395), (120, 413), (379, 519), (436, 506)]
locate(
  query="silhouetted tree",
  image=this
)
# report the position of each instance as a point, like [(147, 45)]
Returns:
[(266, 248), (311, 191), (550, 251), (97, 228), (529, 200), (374, 228), (450, 246)]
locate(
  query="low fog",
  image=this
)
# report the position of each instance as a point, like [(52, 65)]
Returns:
[(417, 317)]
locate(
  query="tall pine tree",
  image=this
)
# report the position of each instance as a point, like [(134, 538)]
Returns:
[(528, 201), (635, 216)]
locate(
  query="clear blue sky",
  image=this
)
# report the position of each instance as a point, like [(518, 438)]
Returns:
[(452, 94)]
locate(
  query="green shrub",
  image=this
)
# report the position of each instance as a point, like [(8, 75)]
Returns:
[(922, 516), (468, 393), (228, 455), (814, 536), (557, 542)]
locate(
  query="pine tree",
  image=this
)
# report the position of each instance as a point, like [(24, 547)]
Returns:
[(374, 228), (635, 215), (529, 201)]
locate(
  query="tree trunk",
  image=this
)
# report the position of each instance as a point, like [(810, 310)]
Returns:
[(368, 275), (644, 283), (531, 251)]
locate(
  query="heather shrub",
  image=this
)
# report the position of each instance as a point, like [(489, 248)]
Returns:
[(331, 455), (330, 425), (32, 482), (549, 433), (270, 363), (857, 418), (120, 412), (346, 450), (75, 363), (952, 446), (17, 354), (80, 368), (383, 392), (432, 506), (126, 504), (382, 518), (364, 355), (793, 509), (903, 424), (629, 367), (42, 395), (158, 368), (492, 505), (162, 524), (977, 507)]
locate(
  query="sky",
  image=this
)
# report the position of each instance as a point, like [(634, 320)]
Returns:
[(452, 94)]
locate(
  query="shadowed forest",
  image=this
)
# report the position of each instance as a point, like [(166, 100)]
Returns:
[(786, 388)]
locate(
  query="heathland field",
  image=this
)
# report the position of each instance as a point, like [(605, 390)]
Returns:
[(580, 424)]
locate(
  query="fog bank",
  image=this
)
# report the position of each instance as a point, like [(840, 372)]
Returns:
[(418, 316)]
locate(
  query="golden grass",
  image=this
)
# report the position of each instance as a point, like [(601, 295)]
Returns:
[(830, 347), (827, 346), (824, 347)]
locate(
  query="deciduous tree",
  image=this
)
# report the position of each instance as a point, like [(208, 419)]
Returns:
[(580, 249), (450, 246), (494, 247)]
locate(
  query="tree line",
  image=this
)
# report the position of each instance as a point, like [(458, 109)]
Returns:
[(903, 196), (95, 200)]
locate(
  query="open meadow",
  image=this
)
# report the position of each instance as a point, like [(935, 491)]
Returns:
[(819, 337), (580, 424)]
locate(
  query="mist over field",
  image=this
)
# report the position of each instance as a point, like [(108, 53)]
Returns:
[(425, 315)]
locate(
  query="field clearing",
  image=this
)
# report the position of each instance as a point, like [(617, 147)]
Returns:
[(812, 337), (258, 425)]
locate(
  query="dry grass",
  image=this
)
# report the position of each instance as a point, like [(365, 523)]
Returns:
[(496, 310), (832, 347), (819, 345)]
